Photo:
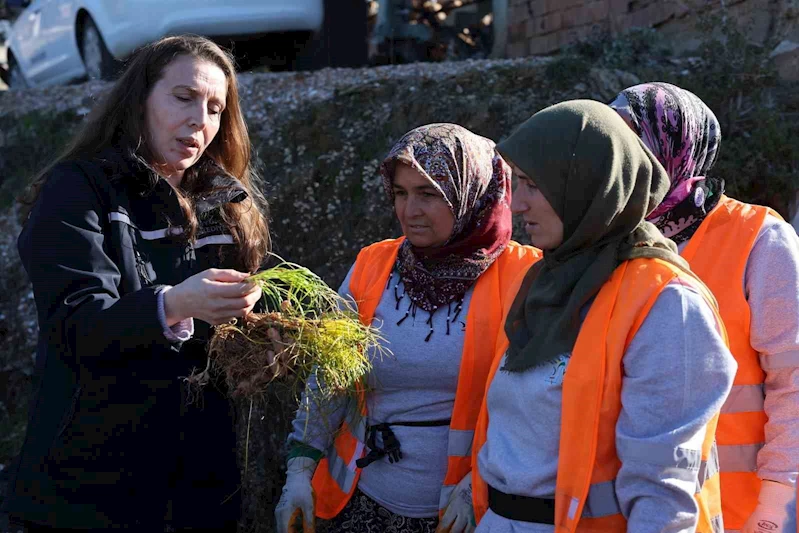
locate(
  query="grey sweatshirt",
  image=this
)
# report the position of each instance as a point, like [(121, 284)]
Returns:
[(677, 373), (415, 384)]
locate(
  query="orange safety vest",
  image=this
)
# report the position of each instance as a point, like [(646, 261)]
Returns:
[(718, 253), (337, 475), (585, 494)]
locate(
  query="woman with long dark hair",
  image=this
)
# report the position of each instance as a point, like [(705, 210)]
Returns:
[(138, 239)]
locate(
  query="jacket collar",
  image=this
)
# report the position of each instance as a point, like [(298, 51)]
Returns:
[(224, 188)]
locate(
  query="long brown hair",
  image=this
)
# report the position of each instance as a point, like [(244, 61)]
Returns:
[(118, 120)]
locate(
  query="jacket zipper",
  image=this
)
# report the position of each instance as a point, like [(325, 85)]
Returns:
[(142, 268)]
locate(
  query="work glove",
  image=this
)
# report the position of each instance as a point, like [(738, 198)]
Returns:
[(459, 514), (297, 500), (771, 513)]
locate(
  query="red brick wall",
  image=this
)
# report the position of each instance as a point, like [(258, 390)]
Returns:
[(543, 26)]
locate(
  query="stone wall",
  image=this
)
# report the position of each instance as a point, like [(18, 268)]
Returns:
[(539, 27)]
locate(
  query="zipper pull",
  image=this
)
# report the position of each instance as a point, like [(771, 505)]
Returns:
[(142, 268)]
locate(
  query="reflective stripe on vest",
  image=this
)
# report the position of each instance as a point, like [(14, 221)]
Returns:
[(446, 494), (602, 500), (739, 457), (744, 399), (662, 455), (708, 469), (341, 471), (460, 443)]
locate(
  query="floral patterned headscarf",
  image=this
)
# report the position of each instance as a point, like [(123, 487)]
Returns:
[(476, 183), (684, 135)]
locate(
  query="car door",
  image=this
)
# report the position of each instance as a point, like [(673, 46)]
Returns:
[(58, 29), (52, 41), (26, 37)]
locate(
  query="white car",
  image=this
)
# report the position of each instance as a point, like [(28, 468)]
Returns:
[(58, 41)]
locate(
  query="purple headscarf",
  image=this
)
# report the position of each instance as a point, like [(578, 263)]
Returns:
[(684, 135)]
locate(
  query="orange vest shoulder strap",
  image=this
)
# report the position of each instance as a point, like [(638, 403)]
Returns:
[(592, 384), (485, 323), (747, 218), (370, 274), (592, 359), (718, 253), (511, 285)]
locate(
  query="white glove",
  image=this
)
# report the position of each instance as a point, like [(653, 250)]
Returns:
[(459, 515), (297, 498), (771, 513)]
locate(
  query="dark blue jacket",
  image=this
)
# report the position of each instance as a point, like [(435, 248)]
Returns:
[(112, 439)]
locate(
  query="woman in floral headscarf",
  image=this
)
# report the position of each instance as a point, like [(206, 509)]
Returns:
[(437, 295), (749, 258)]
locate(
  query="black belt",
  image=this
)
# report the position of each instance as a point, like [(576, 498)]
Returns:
[(390, 441), (521, 508)]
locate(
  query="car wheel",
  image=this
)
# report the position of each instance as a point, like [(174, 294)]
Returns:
[(16, 79), (99, 63)]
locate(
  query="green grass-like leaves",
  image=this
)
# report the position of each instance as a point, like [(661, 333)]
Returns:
[(296, 290), (315, 332)]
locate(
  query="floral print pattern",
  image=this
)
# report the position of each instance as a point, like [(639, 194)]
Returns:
[(476, 183), (684, 135), (364, 515)]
